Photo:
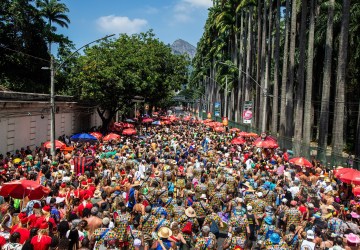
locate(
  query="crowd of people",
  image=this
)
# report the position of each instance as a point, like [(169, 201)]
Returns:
[(180, 186)]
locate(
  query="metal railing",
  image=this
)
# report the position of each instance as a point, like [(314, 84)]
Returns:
[(326, 156)]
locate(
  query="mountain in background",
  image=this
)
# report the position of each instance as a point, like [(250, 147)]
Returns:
[(180, 47)]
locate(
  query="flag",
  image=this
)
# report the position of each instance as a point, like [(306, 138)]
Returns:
[(82, 164)]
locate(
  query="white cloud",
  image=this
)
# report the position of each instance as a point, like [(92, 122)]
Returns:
[(184, 8), (199, 3), (120, 24)]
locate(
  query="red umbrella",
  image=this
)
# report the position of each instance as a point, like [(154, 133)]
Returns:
[(111, 136), (238, 141), (234, 130), (129, 131), (219, 129), (265, 143), (147, 120), (356, 191), (128, 125), (341, 171), (58, 144), (243, 133), (300, 161), (98, 135), (207, 120), (351, 177), (23, 188), (187, 118)]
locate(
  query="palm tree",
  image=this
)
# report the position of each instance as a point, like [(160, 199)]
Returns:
[(299, 108), (54, 12), (309, 80), (274, 126), (339, 111), (290, 84), (325, 96), (284, 72)]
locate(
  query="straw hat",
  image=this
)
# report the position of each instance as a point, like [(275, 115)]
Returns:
[(250, 189), (97, 194), (190, 212), (136, 183), (164, 232)]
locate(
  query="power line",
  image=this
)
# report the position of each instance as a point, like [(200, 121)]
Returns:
[(20, 52)]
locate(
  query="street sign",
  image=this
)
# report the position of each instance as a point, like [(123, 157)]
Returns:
[(247, 112), (217, 109)]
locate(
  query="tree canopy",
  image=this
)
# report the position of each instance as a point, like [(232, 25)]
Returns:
[(113, 72)]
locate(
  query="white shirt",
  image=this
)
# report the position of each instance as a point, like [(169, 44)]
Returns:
[(307, 245), (294, 190)]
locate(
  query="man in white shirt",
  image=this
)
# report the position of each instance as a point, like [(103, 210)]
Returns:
[(308, 244)]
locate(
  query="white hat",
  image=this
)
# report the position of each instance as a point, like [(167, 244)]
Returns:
[(137, 243), (284, 200), (259, 194), (203, 196), (310, 234), (249, 208)]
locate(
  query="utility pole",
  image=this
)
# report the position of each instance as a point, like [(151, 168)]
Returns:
[(53, 70)]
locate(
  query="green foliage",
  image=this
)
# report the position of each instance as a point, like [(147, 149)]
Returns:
[(23, 44), (112, 73)]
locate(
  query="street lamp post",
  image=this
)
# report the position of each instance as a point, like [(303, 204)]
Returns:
[(53, 71)]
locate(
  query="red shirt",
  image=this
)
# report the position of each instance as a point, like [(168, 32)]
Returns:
[(24, 234), (82, 207), (302, 209), (42, 242), (32, 220), (42, 219)]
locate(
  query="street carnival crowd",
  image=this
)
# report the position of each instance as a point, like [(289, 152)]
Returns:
[(178, 186)]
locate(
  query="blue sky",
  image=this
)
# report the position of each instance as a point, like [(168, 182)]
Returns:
[(170, 19)]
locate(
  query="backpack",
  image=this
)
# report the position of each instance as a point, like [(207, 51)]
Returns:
[(214, 228), (187, 228)]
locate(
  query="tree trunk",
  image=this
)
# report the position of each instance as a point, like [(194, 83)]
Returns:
[(241, 63), (299, 109), (339, 111), (275, 111), (258, 66), (267, 71), (325, 95), (248, 56), (263, 71), (284, 73), (357, 141), (309, 81), (290, 86)]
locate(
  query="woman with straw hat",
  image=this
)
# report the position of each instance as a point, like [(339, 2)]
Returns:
[(163, 243)]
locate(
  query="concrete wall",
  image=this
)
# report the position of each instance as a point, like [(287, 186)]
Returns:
[(28, 123)]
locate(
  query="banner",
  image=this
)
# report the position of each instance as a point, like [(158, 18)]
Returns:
[(217, 109), (247, 112)]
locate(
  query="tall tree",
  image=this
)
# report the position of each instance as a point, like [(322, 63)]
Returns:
[(339, 111), (275, 110), (309, 80), (299, 108), (325, 95), (284, 74), (290, 84), (53, 12)]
